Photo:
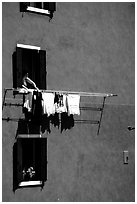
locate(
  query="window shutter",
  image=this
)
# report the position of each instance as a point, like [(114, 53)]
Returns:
[(43, 159), (19, 161), (38, 5), (19, 66), (42, 69), (51, 6), (46, 5), (35, 73), (14, 70), (23, 6), (15, 182)]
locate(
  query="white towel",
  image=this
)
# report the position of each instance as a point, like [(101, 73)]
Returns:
[(73, 104), (48, 103)]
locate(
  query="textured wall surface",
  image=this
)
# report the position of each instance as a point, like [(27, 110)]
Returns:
[(90, 47)]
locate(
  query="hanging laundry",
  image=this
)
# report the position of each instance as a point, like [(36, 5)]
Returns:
[(48, 103), (73, 102), (28, 101), (67, 121), (37, 107), (45, 123), (56, 99), (55, 119), (60, 103)]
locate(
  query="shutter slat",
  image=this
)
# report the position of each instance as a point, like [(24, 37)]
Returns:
[(14, 69), (44, 159), (19, 161), (19, 67), (42, 69)]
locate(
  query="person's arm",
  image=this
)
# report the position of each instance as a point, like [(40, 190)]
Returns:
[(32, 82), (25, 87)]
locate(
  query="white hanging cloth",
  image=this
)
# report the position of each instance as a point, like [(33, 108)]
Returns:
[(73, 102), (48, 103)]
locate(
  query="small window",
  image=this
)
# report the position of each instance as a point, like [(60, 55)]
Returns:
[(29, 162), (46, 8), (32, 60)]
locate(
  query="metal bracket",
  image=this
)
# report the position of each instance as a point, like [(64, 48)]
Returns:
[(101, 115)]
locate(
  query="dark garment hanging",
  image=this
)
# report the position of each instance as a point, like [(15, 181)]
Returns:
[(45, 124), (37, 107), (58, 100), (28, 115), (55, 119), (67, 121)]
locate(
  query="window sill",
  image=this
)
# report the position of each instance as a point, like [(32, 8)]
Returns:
[(30, 183), (29, 136), (38, 10)]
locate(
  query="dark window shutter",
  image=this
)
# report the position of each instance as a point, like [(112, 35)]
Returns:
[(23, 6), (38, 5), (35, 76), (46, 5), (14, 69), (42, 69), (51, 6), (27, 58), (15, 182), (19, 161), (19, 66), (43, 159)]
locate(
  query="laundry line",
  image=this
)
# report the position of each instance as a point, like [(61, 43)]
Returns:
[(67, 92), (89, 94), (80, 93)]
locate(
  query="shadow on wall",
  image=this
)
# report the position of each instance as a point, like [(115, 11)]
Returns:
[(29, 162)]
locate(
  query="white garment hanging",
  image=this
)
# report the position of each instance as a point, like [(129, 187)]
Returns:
[(28, 101), (48, 103), (73, 101)]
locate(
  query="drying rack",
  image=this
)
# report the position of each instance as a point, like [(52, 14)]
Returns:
[(19, 91)]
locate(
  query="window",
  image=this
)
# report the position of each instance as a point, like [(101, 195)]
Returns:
[(30, 59), (46, 8), (29, 162)]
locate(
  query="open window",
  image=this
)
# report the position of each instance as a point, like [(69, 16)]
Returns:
[(46, 8), (30, 59), (29, 162)]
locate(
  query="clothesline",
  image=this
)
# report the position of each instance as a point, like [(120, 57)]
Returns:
[(71, 92), (80, 93), (73, 101)]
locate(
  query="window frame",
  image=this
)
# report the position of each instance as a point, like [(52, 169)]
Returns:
[(18, 152), (28, 7), (39, 76)]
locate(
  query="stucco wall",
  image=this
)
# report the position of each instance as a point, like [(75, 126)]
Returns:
[(94, 41), (90, 47)]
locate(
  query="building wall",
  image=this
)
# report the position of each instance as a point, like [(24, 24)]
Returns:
[(90, 47)]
